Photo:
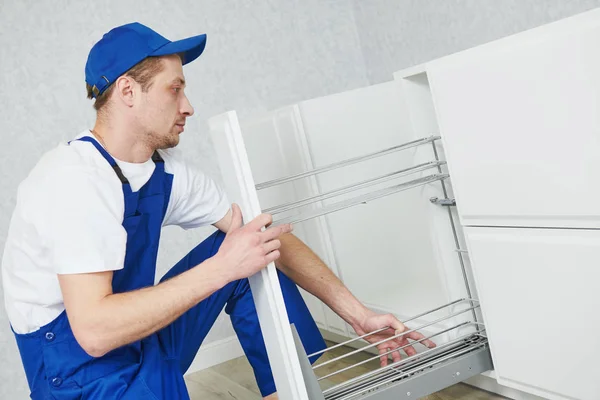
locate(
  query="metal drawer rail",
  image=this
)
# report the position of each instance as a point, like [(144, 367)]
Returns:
[(462, 354)]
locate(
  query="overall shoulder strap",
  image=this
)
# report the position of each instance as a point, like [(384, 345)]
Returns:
[(130, 198), (157, 158), (107, 157)]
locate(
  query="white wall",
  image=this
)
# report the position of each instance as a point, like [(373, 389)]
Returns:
[(395, 34), (259, 55)]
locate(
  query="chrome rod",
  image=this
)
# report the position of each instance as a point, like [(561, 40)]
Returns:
[(394, 377), (455, 302), (455, 234), (392, 369), (391, 351), (415, 364), (341, 205), (355, 186), (397, 364), (393, 337), (347, 162), (442, 348), (364, 382)]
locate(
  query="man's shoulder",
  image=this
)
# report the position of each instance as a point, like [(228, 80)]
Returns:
[(174, 159), (69, 163), (76, 156), (69, 174)]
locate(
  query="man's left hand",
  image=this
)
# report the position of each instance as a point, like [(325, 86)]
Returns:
[(373, 322)]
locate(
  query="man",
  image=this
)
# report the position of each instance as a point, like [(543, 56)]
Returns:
[(80, 259)]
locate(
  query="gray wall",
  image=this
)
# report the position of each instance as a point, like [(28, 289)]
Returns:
[(395, 34), (260, 55)]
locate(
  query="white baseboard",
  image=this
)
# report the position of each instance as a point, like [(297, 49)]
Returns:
[(215, 353)]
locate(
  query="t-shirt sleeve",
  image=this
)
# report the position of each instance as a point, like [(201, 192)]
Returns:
[(80, 221), (196, 199)]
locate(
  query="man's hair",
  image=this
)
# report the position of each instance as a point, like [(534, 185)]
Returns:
[(143, 73)]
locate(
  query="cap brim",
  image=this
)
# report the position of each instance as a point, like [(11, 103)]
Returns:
[(189, 48)]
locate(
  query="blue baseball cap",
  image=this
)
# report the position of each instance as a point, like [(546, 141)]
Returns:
[(123, 47)]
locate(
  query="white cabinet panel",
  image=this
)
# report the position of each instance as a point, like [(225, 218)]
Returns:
[(386, 250), (539, 295), (240, 187), (520, 120), (276, 147)]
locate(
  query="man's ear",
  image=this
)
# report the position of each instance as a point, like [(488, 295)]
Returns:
[(126, 90)]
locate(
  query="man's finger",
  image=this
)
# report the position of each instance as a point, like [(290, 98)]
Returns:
[(275, 231), (383, 360), (271, 245), (259, 222), (416, 336), (271, 257), (396, 356), (395, 324), (409, 350), (236, 218)]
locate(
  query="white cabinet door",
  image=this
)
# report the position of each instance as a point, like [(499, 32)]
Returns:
[(276, 147), (520, 120), (539, 295), (240, 187)]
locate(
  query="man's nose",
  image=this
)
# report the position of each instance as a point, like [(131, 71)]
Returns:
[(186, 107)]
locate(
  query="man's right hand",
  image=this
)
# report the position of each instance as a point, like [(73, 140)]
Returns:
[(247, 248)]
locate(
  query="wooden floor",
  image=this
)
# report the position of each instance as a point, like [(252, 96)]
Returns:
[(235, 380)]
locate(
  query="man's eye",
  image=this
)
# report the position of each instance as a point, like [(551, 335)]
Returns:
[(176, 90)]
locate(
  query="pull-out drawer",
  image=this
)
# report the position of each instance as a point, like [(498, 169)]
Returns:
[(463, 354), (462, 346)]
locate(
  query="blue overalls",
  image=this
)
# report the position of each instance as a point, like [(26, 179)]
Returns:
[(152, 368)]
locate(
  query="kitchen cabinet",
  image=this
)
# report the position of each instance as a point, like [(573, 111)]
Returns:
[(460, 196)]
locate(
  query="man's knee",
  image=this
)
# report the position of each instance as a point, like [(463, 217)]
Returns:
[(203, 251)]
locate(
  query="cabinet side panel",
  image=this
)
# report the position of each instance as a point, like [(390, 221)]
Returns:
[(276, 148), (239, 185), (383, 249)]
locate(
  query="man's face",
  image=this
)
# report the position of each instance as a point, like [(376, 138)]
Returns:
[(165, 107)]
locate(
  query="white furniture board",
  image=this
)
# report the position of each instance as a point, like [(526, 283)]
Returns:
[(538, 289), (414, 85), (276, 147), (240, 188), (520, 122)]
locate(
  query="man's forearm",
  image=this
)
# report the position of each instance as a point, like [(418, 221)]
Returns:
[(102, 320), (305, 268), (122, 318)]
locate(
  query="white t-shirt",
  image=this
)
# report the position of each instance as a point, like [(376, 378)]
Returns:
[(68, 218)]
